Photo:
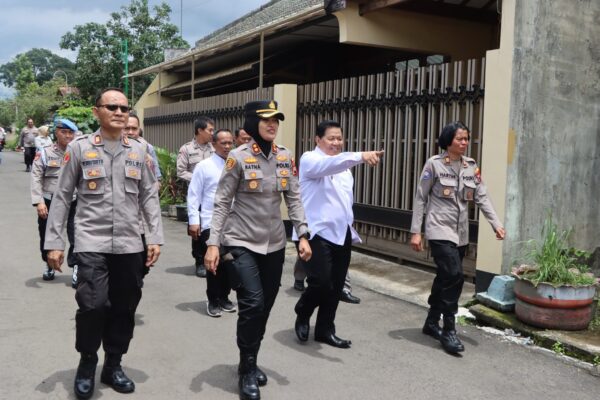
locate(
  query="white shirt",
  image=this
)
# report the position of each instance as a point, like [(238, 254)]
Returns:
[(202, 189), (326, 187)]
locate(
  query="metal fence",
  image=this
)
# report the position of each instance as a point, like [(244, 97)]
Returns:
[(172, 125), (401, 112)]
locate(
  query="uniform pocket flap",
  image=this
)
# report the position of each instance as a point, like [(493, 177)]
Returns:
[(93, 172)]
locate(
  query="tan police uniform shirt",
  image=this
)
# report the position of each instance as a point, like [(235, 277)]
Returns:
[(189, 155), (257, 183), (444, 192), (111, 188), (28, 137), (44, 173)]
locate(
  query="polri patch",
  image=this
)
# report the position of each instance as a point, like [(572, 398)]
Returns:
[(229, 164), (426, 175)]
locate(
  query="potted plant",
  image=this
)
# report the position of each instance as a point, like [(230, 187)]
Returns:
[(555, 289), (172, 190)]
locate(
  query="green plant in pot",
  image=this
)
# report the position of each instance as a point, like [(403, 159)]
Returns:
[(555, 289), (172, 190)]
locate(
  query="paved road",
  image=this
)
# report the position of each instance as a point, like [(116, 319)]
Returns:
[(180, 353)]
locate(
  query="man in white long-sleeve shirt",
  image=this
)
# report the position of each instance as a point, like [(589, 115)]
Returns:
[(326, 186), (201, 192)]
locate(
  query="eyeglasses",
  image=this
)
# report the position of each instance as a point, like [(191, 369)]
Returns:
[(113, 107)]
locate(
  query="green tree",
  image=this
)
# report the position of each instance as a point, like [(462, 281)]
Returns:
[(44, 64), (25, 75), (99, 62), (38, 102)]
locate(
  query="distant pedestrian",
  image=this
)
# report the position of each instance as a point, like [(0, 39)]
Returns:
[(114, 180), (44, 180), (201, 192), (27, 143), (241, 137), (450, 181), (190, 154), (42, 140)]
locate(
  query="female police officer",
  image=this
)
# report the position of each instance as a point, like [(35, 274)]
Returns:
[(449, 182), (256, 174)]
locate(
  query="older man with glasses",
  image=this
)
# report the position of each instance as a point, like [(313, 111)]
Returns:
[(114, 180)]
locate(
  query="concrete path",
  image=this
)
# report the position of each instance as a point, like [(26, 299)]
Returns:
[(180, 353)]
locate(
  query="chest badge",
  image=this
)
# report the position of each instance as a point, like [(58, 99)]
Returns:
[(282, 158), (92, 185), (133, 156), (446, 192), (90, 154), (250, 160), (284, 183), (253, 184), (93, 173)]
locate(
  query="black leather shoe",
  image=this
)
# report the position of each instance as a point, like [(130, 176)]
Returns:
[(299, 285), (85, 377), (432, 329), (347, 297), (302, 328), (261, 377), (334, 341), (116, 378), (200, 271), (450, 342)]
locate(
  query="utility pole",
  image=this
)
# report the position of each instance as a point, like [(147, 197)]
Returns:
[(125, 55)]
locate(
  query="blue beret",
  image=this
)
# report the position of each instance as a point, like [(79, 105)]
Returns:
[(65, 123)]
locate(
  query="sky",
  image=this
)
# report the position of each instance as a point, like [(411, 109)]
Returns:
[(27, 24)]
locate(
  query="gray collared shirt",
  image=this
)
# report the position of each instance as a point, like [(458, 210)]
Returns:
[(111, 190), (444, 193)]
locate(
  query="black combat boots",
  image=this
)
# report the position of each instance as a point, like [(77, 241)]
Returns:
[(84, 379), (450, 342), (113, 375), (247, 383), (432, 324)]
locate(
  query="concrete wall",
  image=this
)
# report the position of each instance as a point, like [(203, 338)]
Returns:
[(423, 33), (554, 158), (498, 76)]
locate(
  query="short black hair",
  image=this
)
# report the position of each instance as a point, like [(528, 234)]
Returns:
[(216, 134), (448, 133), (324, 125), (133, 114), (237, 131), (108, 89), (202, 122)]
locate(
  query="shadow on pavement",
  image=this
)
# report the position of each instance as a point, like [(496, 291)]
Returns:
[(416, 336), (185, 270), (38, 282), (220, 376), (66, 378), (197, 306), (288, 338)]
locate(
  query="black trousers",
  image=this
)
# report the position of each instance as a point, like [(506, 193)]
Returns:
[(71, 257), (198, 249), (108, 293), (448, 283), (29, 155), (326, 272), (256, 279), (217, 286)]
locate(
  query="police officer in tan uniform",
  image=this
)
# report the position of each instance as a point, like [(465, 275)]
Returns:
[(189, 155), (251, 232), (44, 176), (448, 184), (27, 143), (113, 178)]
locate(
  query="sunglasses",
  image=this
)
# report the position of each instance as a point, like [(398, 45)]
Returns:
[(114, 107)]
